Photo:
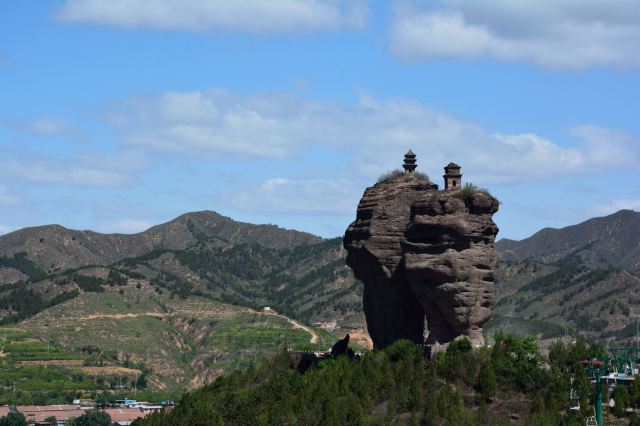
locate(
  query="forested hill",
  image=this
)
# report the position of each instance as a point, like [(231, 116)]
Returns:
[(583, 278), (509, 383), (612, 240), (197, 285), (54, 247), (189, 315)]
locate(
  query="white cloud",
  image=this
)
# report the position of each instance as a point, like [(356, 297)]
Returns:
[(376, 133), (7, 199), (212, 123), (617, 205), (80, 170), (564, 34), (49, 126), (124, 226), (255, 16), (290, 196)]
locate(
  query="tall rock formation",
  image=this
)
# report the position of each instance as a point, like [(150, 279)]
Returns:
[(423, 254)]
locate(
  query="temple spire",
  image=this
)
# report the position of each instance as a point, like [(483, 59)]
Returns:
[(409, 162)]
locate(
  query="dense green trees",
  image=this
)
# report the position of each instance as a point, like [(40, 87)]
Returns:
[(26, 302), (91, 418), (22, 263), (487, 381), (456, 387), (621, 398), (88, 283), (13, 419)]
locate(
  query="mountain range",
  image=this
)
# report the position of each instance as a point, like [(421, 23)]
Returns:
[(201, 294)]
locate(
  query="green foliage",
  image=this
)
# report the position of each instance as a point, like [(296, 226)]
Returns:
[(23, 264), (13, 419), (456, 358), (634, 393), (141, 381), (401, 350), (89, 283), (91, 418), (487, 381), (378, 388), (25, 378), (116, 278), (621, 397), (392, 174), (516, 360), (26, 302), (467, 191)]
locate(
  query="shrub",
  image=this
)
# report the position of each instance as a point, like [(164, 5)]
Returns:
[(392, 174), (13, 419), (91, 418), (516, 359), (487, 381), (89, 283), (455, 358), (401, 349), (467, 191)]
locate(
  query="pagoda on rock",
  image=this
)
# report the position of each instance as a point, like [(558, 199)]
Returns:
[(409, 162)]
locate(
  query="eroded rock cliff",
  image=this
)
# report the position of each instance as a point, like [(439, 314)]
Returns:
[(423, 254)]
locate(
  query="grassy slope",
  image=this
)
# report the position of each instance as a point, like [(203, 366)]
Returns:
[(189, 315), (566, 297), (176, 338)]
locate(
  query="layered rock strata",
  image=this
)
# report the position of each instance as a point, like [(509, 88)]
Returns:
[(424, 256)]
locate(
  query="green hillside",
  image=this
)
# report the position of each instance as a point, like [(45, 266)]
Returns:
[(506, 384), (190, 314), (576, 287)]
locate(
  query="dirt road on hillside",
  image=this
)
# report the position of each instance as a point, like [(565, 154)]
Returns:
[(315, 338)]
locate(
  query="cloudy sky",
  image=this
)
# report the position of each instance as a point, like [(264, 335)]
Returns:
[(117, 115)]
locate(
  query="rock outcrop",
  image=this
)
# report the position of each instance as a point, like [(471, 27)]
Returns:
[(424, 256)]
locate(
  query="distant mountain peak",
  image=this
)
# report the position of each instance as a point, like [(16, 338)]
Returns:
[(54, 246), (613, 239)]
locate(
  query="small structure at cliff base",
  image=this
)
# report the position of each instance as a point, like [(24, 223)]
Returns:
[(426, 257)]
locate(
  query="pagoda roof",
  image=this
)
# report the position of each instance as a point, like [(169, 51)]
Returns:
[(409, 153), (452, 166)]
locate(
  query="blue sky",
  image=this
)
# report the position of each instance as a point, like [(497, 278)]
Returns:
[(118, 115)]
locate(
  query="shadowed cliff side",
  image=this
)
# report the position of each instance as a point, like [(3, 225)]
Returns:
[(450, 259), (424, 254), (375, 254)]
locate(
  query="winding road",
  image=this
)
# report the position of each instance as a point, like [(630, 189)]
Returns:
[(315, 338)]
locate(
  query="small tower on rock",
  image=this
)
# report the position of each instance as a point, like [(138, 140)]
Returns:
[(452, 177), (409, 162)]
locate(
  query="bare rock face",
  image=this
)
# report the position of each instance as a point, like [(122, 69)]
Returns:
[(423, 254)]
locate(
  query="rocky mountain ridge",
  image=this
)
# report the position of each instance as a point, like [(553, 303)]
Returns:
[(54, 247), (611, 240)]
